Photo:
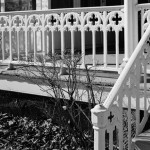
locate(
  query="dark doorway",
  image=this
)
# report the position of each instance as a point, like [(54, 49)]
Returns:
[(90, 3), (111, 2), (61, 4)]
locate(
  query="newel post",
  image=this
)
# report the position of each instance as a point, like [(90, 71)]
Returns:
[(131, 27), (99, 120)]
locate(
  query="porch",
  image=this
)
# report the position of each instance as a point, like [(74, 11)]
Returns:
[(103, 38)]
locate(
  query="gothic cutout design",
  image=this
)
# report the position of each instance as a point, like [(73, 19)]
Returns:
[(3, 21), (110, 117), (93, 19), (117, 19), (17, 21)]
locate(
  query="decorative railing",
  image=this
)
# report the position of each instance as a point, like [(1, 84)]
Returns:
[(112, 126), (54, 31), (144, 12)]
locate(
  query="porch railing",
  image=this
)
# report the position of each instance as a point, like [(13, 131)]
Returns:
[(113, 129), (54, 31)]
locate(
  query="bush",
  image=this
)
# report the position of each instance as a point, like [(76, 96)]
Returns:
[(23, 133)]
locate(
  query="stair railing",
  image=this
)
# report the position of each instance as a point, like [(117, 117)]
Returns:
[(114, 127)]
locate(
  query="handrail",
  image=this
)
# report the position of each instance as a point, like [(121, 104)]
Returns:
[(110, 119), (111, 97), (145, 5)]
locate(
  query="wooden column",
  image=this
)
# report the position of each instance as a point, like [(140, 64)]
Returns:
[(131, 27)]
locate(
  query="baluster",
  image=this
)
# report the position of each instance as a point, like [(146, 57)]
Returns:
[(10, 39), (72, 44), (35, 44), (43, 38), (138, 68), (53, 42), (120, 134), (117, 48), (94, 45), (145, 85), (83, 47), (105, 40), (111, 138), (82, 40), (3, 46), (18, 45), (129, 118), (26, 38), (62, 36)]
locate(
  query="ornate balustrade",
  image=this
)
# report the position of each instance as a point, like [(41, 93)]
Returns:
[(112, 128), (144, 16), (42, 32)]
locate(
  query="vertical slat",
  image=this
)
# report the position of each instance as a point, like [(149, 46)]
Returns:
[(138, 97), (10, 39), (35, 46), (26, 38), (117, 49), (145, 85), (3, 46), (72, 44), (120, 134), (105, 40), (111, 139), (94, 45), (53, 43), (47, 41), (129, 119), (43, 37), (62, 36), (83, 47), (82, 40), (18, 46)]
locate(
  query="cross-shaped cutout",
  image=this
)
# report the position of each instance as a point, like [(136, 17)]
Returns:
[(117, 19), (52, 20), (2, 22), (34, 20), (93, 19), (72, 20), (110, 117), (17, 21)]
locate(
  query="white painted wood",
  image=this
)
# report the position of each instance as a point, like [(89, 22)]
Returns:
[(131, 27), (2, 5), (117, 49), (72, 44), (94, 46), (3, 46)]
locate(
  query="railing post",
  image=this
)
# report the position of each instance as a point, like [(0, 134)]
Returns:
[(99, 120), (2, 5), (131, 27)]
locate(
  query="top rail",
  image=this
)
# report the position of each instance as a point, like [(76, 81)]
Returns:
[(140, 6)]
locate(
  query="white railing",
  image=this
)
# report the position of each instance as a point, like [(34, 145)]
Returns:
[(109, 121), (144, 11), (54, 31)]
